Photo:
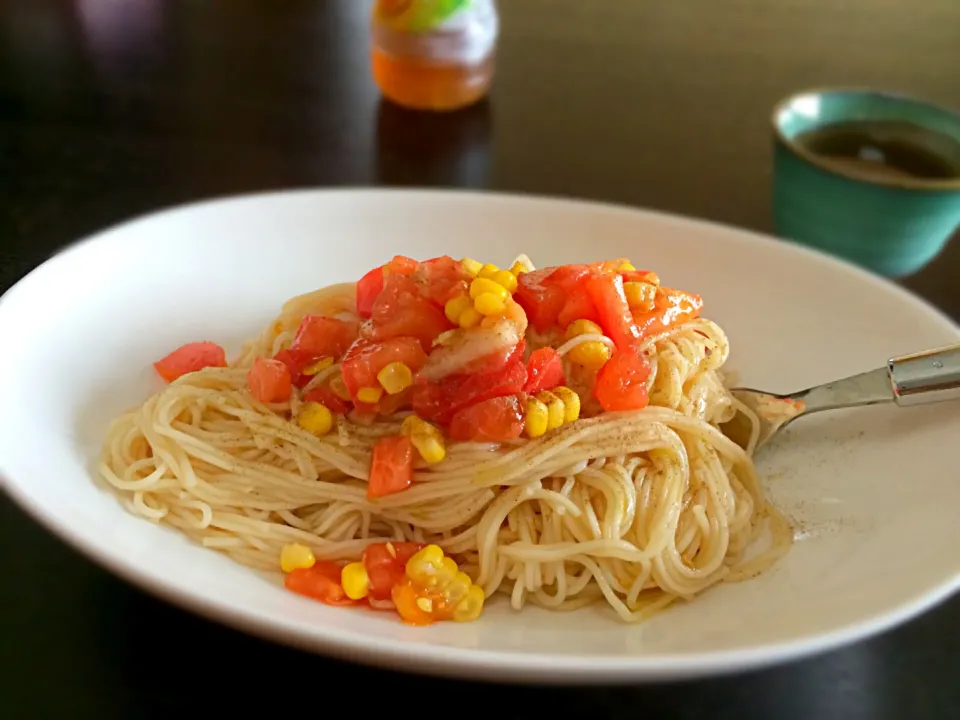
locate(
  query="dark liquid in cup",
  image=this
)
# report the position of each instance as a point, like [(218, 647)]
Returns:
[(890, 149)]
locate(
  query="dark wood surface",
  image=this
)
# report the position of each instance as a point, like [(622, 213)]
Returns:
[(113, 108)]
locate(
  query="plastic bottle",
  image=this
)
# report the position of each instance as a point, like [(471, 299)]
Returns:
[(434, 54)]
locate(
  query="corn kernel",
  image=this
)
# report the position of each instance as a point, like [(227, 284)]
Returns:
[(626, 266), (471, 266), (369, 394), (505, 278), (640, 295), (582, 327), (316, 418), (488, 271), (571, 403), (425, 604), (651, 277), (489, 304), (470, 607), (295, 556), (555, 409), (431, 449), (457, 588), (395, 377), (517, 268), (455, 307), (410, 425), (485, 285), (424, 564), (339, 388), (355, 581), (470, 318), (536, 419), (592, 355), (315, 367)]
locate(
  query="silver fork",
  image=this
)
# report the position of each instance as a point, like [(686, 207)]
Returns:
[(924, 377)]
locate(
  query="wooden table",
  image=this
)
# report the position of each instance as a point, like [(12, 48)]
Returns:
[(112, 108)]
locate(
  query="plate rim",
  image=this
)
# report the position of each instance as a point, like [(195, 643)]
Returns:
[(455, 662)]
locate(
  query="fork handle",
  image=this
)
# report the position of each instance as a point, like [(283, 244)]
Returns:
[(926, 377)]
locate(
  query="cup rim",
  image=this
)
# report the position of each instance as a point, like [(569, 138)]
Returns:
[(817, 161)]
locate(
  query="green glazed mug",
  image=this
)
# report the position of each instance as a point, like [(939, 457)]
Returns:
[(891, 223)]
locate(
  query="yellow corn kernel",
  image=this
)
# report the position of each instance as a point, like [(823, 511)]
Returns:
[(489, 304), (582, 327), (316, 418), (537, 418), (470, 318), (571, 403), (455, 307), (626, 266), (395, 377), (369, 394), (355, 581), (517, 268), (315, 367), (651, 277), (471, 266), (555, 409), (488, 271), (470, 607), (424, 564), (484, 285), (339, 388), (455, 590), (295, 556), (431, 449), (592, 355), (505, 278), (640, 295), (410, 425)]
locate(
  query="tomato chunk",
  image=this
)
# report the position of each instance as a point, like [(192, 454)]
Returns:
[(368, 288), (320, 582), (366, 358), (606, 291), (320, 336), (325, 396), (190, 358), (541, 300), (440, 401), (385, 568), (441, 279), (544, 371), (672, 308), (401, 311), (295, 362), (495, 420), (269, 380), (392, 467), (402, 265), (621, 382)]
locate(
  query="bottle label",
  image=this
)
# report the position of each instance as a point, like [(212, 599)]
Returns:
[(418, 16)]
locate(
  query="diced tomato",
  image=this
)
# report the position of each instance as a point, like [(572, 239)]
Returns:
[(320, 582), (295, 362), (544, 295), (540, 300), (320, 336), (578, 307), (544, 371), (672, 307), (368, 288), (325, 396), (440, 401), (366, 358), (190, 358), (606, 291), (621, 382), (401, 311), (402, 265), (495, 420), (608, 266), (392, 467), (389, 404), (441, 279), (269, 380), (386, 569)]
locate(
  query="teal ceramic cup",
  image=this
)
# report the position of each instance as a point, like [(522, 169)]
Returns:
[(890, 223)]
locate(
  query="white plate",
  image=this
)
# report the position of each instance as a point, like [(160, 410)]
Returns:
[(873, 492)]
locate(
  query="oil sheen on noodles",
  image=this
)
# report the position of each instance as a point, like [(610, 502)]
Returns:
[(638, 508)]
